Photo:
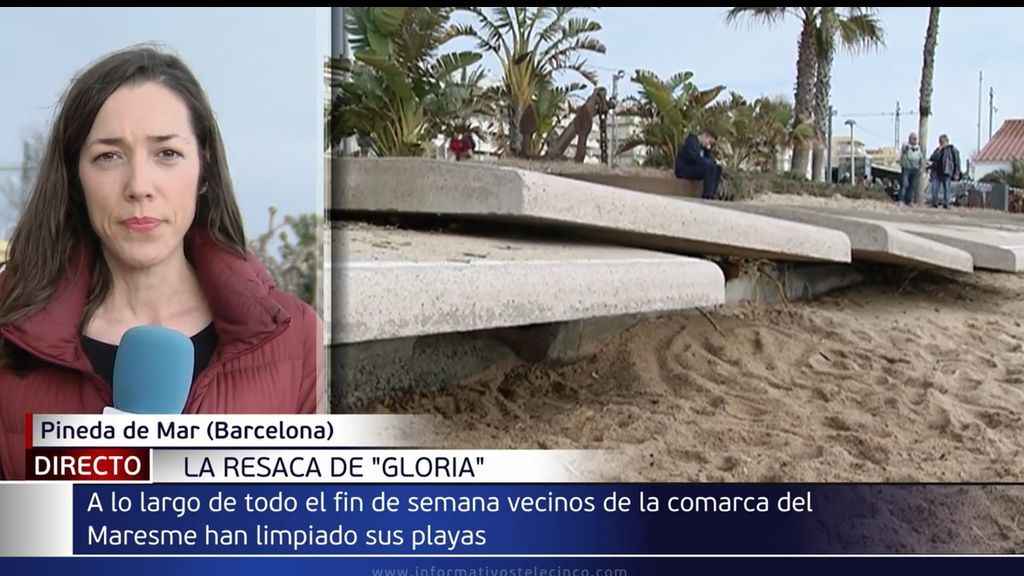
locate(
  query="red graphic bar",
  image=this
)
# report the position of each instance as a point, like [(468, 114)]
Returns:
[(88, 464)]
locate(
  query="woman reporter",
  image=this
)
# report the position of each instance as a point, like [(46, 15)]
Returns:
[(133, 221)]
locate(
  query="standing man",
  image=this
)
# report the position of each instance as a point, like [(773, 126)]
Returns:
[(911, 161), (695, 161), (944, 166)]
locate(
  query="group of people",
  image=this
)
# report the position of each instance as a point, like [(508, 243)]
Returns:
[(695, 161), (943, 168)]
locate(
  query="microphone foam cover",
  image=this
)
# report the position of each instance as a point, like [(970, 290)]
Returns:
[(153, 371)]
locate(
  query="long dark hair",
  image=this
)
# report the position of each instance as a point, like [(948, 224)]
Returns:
[(55, 223)]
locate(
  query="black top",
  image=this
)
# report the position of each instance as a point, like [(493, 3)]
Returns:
[(102, 355)]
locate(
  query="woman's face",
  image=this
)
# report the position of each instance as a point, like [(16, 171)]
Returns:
[(139, 171)]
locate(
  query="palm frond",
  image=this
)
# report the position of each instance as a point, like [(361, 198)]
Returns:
[(861, 32), (755, 15)]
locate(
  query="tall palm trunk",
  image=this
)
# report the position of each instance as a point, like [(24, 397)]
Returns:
[(804, 96), (515, 137), (924, 107), (823, 91)]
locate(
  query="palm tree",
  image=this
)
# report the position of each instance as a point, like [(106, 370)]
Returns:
[(550, 105), (532, 45), (857, 29), (774, 132), (924, 107), (824, 51), (670, 109), (803, 95), (462, 103), (395, 78), (815, 49), (753, 135), (733, 121)]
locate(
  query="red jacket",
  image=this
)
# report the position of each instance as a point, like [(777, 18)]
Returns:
[(269, 356)]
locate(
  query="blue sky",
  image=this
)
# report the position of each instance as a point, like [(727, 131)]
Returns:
[(755, 61), (260, 68)]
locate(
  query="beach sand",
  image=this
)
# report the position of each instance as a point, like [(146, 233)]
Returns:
[(891, 381), (897, 380)]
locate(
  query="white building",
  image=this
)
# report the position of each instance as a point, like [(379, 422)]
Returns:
[(1005, 147), (620, 129)]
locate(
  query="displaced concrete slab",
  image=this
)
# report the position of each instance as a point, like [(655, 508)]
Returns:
[(370, 371), (990, 219), (873, 240), (995, 240), (614, 215), (992, 249), (391, 283)]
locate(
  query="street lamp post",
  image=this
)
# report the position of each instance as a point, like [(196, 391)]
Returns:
[(853, 162)]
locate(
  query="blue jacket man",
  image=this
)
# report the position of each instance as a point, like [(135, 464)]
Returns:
[(944, 167), (695, 161)]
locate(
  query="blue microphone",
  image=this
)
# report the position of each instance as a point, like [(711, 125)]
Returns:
[(153, 371)]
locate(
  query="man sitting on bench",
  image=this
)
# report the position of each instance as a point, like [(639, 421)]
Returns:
[(695, 161)]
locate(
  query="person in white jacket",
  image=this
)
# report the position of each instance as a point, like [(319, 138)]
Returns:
[(911, 163)]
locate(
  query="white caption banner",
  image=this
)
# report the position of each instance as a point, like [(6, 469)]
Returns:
[(377, 466), (230, 431)]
